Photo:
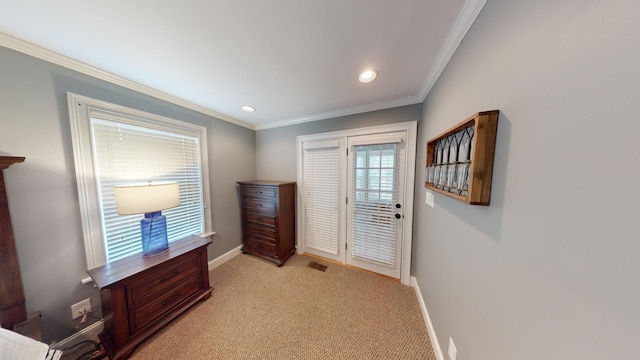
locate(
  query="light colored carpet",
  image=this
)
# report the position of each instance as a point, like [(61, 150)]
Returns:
[(260, 311)]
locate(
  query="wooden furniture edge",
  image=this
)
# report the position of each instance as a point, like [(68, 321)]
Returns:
[(6, 161), (176, 249), (13, 310)]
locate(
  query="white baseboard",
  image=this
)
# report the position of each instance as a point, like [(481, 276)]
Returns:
[(224, 257), (88, 333), (427, 320)]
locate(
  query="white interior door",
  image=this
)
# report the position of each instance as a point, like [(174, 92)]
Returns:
[(375, 208)]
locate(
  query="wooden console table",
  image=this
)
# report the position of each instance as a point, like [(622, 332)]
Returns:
[(140, 295)]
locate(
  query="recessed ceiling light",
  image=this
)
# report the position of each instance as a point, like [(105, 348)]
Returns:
[(248, 108), (367, 76)]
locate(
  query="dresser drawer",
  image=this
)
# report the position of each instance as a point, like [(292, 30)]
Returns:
[(261, 244), (263, 206), (262, 230), (261, 219), (260, 192), (146, 288), (147, 315)]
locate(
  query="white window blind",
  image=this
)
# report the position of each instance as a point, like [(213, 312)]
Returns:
[(375, 186), (125, 153), (113, 144), (321, 186)]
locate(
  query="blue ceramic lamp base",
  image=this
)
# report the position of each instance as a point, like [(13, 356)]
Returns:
[(154, 233)]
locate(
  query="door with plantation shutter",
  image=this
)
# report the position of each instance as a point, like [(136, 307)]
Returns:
[(323, 193), (356, 197), (375, 209)]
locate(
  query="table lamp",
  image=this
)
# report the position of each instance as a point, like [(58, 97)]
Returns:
[(150, 199)]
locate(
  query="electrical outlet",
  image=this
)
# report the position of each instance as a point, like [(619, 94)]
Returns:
[(81, 308), (453, 352)]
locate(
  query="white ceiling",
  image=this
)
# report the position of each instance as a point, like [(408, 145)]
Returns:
[(293, 60)]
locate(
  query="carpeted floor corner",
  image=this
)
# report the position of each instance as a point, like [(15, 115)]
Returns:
[(260, 311)]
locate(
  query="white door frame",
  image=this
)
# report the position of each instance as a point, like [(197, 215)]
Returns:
[(411, 130)]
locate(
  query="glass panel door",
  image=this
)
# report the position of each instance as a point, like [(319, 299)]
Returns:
[(375, 209)]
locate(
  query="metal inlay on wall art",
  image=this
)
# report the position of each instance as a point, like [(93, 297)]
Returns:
[(459, 161), (449, 170)]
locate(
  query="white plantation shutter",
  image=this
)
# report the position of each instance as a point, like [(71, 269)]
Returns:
[(321, 187), (375, 177), (375, 191), (125, 153)]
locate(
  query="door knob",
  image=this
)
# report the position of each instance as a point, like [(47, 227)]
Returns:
[(398, 206), (398, 216)]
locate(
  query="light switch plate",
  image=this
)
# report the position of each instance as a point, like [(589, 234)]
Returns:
[(429, 199)]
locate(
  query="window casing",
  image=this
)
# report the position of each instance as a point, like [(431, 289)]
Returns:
[(118, 145)]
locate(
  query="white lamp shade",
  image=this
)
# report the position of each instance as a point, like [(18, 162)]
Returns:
[(145, 198)]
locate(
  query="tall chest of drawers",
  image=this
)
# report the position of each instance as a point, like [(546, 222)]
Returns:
[(268, 219)]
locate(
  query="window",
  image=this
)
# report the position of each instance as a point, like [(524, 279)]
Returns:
[(117, 145)]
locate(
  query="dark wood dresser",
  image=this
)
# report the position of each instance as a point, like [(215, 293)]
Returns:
[(269, 219), (140, 295), (12, 303)]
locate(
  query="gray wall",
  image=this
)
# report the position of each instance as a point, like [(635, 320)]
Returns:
[(550, 269), (276, 148), (43, 200)]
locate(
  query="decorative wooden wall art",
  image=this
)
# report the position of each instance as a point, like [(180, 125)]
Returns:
[(460, 160)]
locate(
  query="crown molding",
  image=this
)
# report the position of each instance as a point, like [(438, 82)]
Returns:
[(470, 11), (467, 16), (39, 52), (343, 112)]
